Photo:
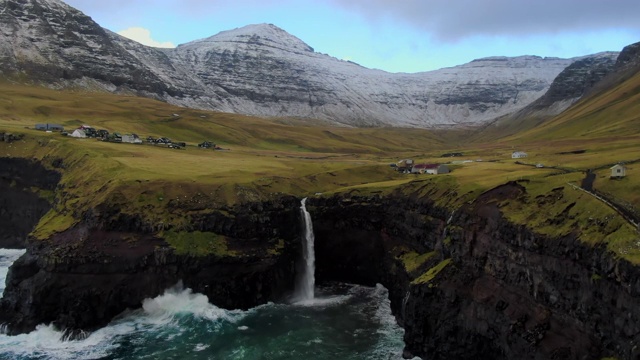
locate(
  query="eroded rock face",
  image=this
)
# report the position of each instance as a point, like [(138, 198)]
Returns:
[(80, 279), (506, 293), (500, 292), (21, 207)]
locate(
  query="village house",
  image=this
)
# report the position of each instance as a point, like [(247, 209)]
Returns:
[(163, 141), (89, 131), (78, 133), (131, 139), (49, 127), (618, 171), (102, 133), (519, 155), (404, 165), (433, 169)]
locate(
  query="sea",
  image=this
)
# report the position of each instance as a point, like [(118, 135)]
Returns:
[(342, 321)]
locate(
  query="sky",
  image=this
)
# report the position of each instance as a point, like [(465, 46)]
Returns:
[(392, 35)]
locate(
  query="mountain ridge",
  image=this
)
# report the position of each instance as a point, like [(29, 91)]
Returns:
[(262, 70)]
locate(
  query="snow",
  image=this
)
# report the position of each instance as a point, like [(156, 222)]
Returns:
[(349, 93), (262, 70)]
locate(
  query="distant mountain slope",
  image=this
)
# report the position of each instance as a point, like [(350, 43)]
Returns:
[(260, 70), (611, 108), (574, 82), (50, 42)]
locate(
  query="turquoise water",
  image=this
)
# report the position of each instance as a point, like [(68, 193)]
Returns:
[(343, 322)]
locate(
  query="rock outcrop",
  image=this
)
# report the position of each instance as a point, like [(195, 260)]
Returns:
[(82, 278), (23, 185), (493, 290), (572, 84), (467, 284)]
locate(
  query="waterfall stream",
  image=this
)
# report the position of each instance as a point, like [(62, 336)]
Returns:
[(306, 282)]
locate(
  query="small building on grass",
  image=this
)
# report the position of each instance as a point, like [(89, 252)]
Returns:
[(78, 133), (131, 139), (433, 169), (49, 127), (618, 171), (519, 155)]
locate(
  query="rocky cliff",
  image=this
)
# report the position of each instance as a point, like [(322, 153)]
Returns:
[(81, 278), (627, 65), (572, 84), (25, 187), (488, 289), (464, 284), (259, 70)]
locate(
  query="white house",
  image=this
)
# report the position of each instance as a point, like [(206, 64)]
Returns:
[(132, 139), (518, 155), (618, 171), (52, 127), (433, 169), (78, 133)]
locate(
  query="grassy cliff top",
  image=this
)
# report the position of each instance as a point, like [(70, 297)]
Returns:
[(265, 158)]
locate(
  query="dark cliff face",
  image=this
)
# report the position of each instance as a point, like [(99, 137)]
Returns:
[(574, 81), (80, 279), (627, 65), (360, 240), (505, 293), (572, 84), (629, 56), (20, 205), (50, 42), (486, 289)]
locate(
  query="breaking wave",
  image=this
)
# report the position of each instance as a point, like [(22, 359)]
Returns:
[(343, 321)]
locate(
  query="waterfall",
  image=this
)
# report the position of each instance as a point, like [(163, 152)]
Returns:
[(404, 303), (306, 282), (444, 232)]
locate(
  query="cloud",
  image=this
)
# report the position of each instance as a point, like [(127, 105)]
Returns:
[(449, 21), (143, 36)]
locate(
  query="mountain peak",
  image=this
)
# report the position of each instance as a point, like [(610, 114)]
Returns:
[(51, 4), (257, 34)]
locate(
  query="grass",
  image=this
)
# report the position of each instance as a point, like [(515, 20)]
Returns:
[(271, 157), (412, 260), (198, 243), (431, 273)]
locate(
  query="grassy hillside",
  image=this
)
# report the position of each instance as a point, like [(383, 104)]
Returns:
[(270, 157), (611, 113), (23, 106)]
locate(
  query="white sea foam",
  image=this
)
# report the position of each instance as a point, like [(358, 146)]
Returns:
[(177, 300), (158, 313), (323, 301), (201, 347), (391, 344), (46, 341)]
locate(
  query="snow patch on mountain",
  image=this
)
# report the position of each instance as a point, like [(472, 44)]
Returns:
[(263, 70)]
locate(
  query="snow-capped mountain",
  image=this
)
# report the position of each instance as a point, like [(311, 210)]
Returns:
[(261, 70)]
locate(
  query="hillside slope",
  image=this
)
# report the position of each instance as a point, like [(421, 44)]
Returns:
[(610, 108)]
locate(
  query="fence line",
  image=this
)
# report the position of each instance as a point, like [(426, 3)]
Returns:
[(611, 205)]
